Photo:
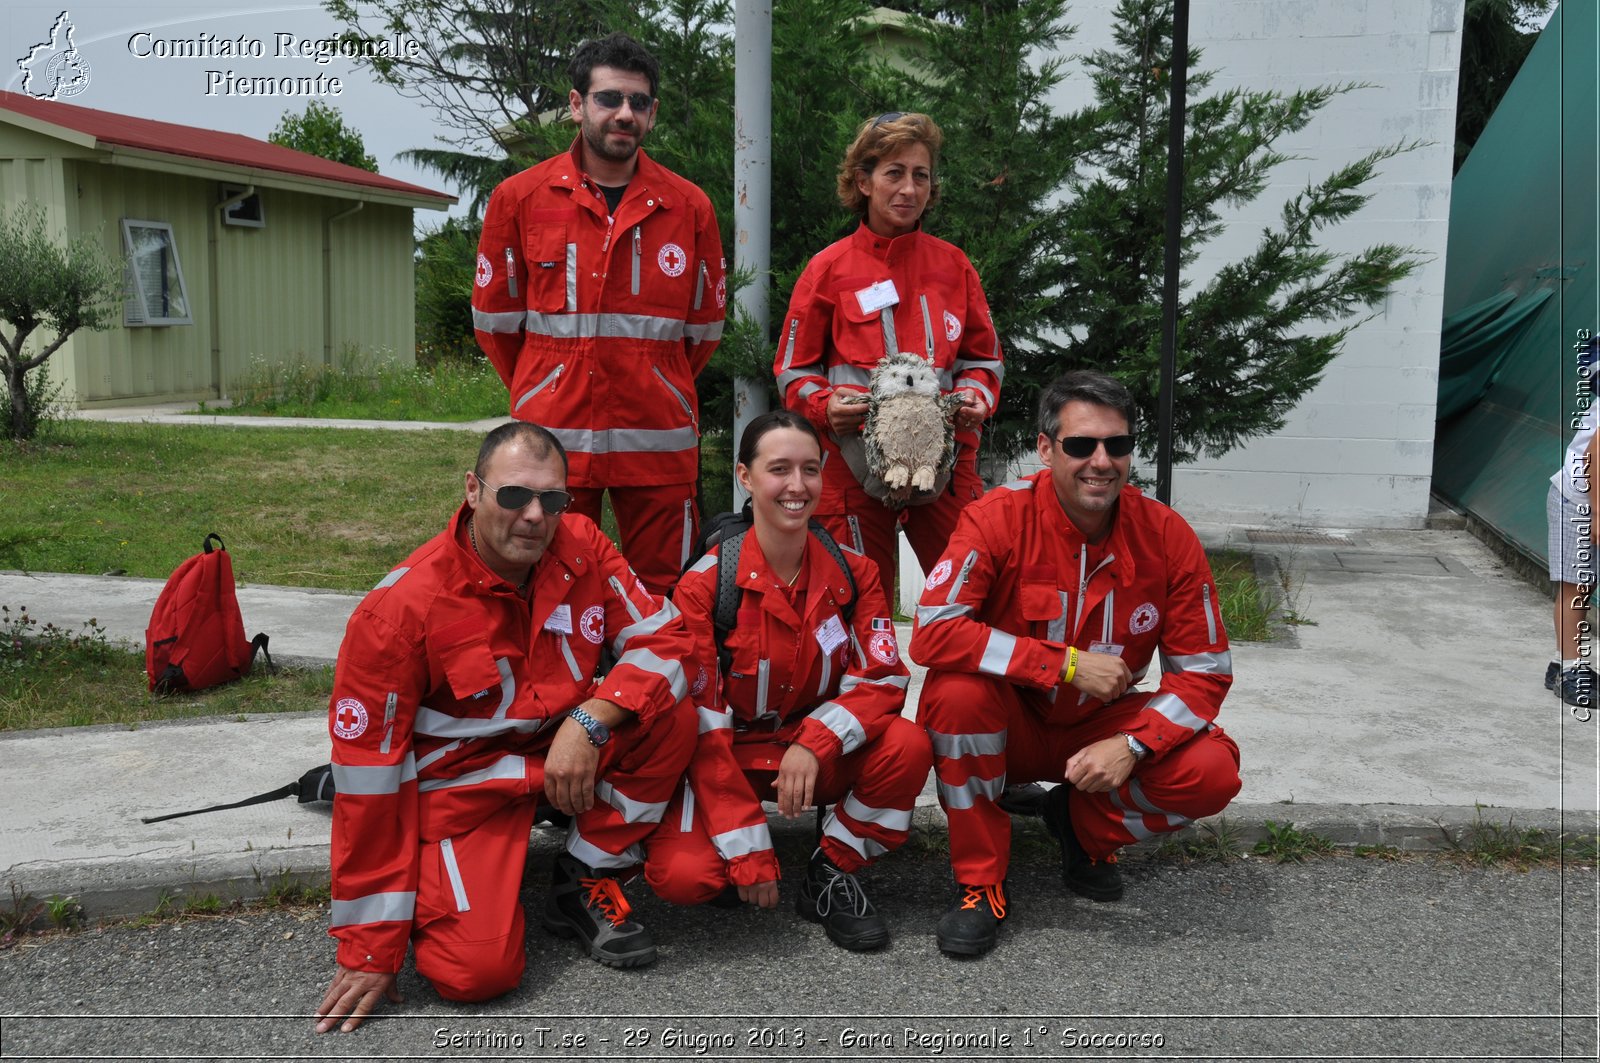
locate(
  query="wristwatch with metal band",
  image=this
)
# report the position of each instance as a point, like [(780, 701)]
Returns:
[(599, 733), (1136, 747)]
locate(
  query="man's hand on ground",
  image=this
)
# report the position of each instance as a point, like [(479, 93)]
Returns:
[(1102, 675), (764, 894), (354, 994), (1103, 766)]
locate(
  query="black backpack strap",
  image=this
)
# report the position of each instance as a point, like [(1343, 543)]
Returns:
[(259, 645), (725, 610), (314, 785), (206, 542), (834, 551), (271, 795)]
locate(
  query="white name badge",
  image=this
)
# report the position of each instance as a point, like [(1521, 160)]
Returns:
[(877, 296), (560, 621), (1113, 648), (830, 634)]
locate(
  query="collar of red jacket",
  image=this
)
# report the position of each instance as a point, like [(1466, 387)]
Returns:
[(650, 178), (1057, 524), (565, 554), (888, 248)]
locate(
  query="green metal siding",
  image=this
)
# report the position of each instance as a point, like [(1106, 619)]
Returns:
[(371, 283)]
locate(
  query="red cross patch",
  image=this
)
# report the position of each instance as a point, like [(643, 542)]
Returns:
[(672, 260), (349, 718), (593, 624), (485, 270)]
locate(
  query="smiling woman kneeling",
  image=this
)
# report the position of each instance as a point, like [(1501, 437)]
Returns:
[(802, 708)]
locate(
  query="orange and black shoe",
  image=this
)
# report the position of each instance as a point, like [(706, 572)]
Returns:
[(972, 925), (586, 905), (1098, 880)]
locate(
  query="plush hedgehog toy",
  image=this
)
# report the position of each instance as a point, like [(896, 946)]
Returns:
[(908, 442)]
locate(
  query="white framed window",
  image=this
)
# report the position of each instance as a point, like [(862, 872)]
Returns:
[(154, 293)]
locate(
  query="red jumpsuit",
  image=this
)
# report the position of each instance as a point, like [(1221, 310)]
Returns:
[(599, 326), (1017, 586), (799, 674), (832, 337), (448, 691)]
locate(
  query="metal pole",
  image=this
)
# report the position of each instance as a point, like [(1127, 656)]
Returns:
[(1169, 287), (752, 190)]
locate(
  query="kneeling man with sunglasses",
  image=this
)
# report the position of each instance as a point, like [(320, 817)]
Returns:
[(513, 660), (1046, 611)]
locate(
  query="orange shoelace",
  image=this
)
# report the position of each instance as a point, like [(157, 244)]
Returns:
[(995, 895), (606, 894)]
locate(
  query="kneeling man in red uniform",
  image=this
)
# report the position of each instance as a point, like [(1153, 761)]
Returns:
[(1054, 597), (470, 688)]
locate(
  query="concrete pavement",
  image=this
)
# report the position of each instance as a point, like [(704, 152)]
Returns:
[(1411, 697)]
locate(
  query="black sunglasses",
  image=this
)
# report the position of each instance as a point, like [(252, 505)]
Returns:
[(887, 117), (1084, 446), (611, 99), (553, 502)]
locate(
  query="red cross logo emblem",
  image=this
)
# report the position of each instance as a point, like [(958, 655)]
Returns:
[(672, 260), (349, 718), (485, 271)]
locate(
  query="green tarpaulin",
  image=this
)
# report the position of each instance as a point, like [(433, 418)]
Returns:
[(1521, 287)]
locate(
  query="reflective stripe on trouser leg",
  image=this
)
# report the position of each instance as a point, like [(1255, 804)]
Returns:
[(637, 777), (883, 779), (967, 721), (1197, 779)]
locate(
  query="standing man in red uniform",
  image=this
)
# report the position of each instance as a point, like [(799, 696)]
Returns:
[(1056, 594), (466, 692), (599, 298)]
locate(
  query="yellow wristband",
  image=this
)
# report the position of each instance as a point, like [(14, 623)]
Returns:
[(1072, 664)]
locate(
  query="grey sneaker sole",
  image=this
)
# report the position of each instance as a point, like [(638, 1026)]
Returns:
[(640, 957)]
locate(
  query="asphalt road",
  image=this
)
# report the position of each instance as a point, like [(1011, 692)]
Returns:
[(1340, 958)]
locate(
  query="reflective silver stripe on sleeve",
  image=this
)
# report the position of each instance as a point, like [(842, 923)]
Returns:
[(1172, 707), (572, 277), (447, 850), (966, 795), (1056, 631), (845, 373), (371, 780), (438, 754), (788, 350), (997, 652), (508, 686), (763, 674), (392, 578), (742, 841), (705, 564), (636, 252), (703, 333), (510, 767), (849, 682), (1203, 663), (988, 396), (646, 661), (807, 390), (711, 720), (436, 724), (1018, 485), (586, 852), (789, 377), (967, 365), (572, 662), (927, 326), (631, 811), (700, 285), (564, 326), (621, 592), (1205, 604), (686, 817), (887, 818), (627, 440), (932, 614), (837, 718), (866, 848), (961, 577), (549, 379), (891, 345), (855, 534), (827, 675), (647, 626), (988, 744), (1137, 793), (946, 380), (688, 533), (505, 322), (374, 908)]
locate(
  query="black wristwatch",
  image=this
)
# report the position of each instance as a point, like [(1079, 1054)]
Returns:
[(599, 733)]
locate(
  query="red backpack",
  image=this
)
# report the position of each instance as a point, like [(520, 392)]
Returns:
[(196, 635)]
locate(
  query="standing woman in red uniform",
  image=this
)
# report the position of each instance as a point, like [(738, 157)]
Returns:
[(889, 286), (802, 708)]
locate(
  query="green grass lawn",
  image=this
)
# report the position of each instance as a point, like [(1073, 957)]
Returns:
[(363, 388)]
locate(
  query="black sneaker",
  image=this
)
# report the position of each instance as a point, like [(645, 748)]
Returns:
[(1023, 799), (590, 907), (1098, 880), (1576, 685), (1551, 674), (972, 925), (835, 899)]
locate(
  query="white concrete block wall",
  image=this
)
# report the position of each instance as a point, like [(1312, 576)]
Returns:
[(1358, 450)]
